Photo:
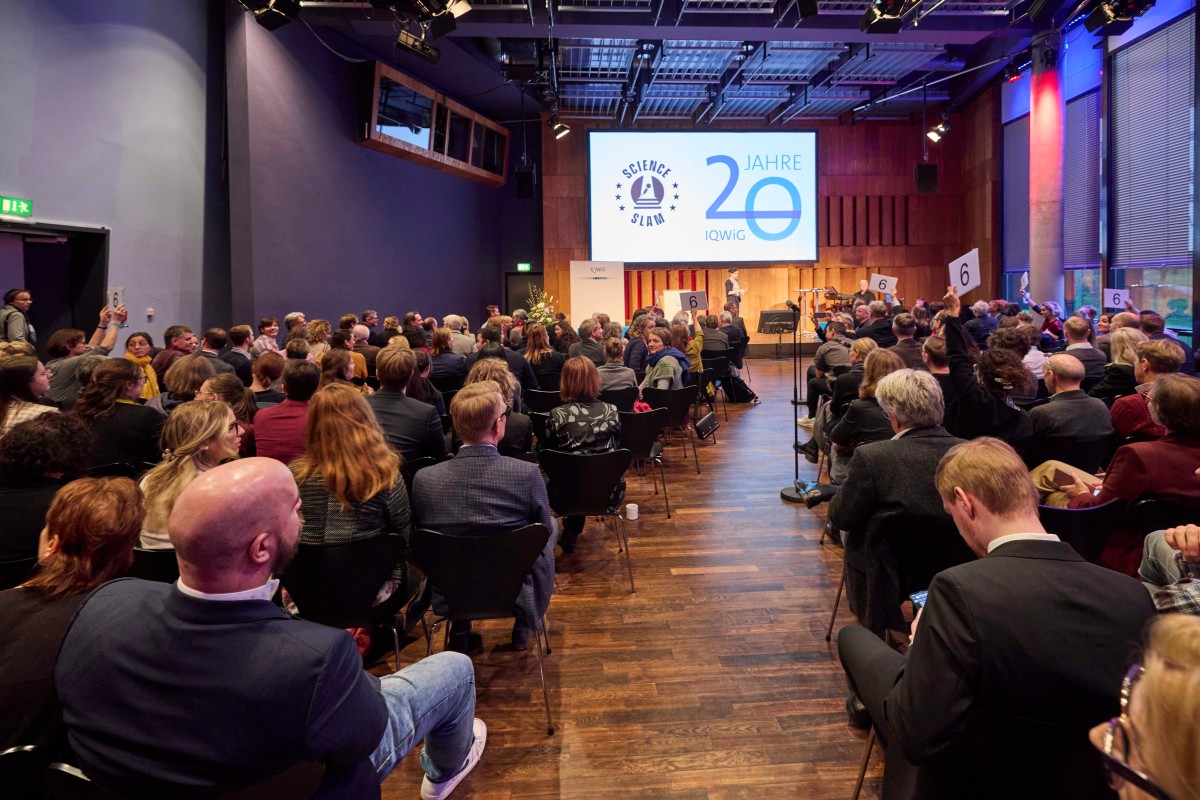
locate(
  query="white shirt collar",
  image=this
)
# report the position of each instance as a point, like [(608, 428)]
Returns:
[(901, 433), (1079, 346), (1013, 537), (264, 592)]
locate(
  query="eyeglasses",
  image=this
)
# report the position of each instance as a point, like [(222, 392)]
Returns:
[(1116, 765), (507, 411)]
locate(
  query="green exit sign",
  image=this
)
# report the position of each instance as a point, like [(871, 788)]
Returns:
[(16, 206), (524, 266)]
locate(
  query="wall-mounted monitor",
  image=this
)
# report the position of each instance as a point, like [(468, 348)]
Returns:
[(668, 197)]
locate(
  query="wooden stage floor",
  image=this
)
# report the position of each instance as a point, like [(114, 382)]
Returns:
[(714, 680)]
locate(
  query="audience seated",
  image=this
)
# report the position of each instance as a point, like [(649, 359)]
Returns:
[(517, 440), (268, 329), (411, 427), (1077, 330), (480, 490), (666, 366), (1051, 324), (245, 690), (238, 356), (864, 421), (636, 351), (582, 424), (211, 345), (228, 388), (906, 346), (878, 326), (444, 362), (336, 367), (714, 337), (690, 345), (831, 357), (91, 528), (420, 387), (1131, 414), (36, 458), (266, 371), (364, 348), (280, 431), (180, 342), (1154, 326), (185, 377), (546, 362), (890, 481), (1170, 567), (591, 333), (1069, 413), (614, 375), (123, 430), (1119, 377), (982, 325), (349, 479), (23, 381), (197, 437), (517, 365), (318, 337), (1021, 341), (1030, 635), (1125, 319), (66, 348), (139, 348)]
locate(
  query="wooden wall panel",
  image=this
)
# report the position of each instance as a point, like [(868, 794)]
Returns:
[(870, 218)]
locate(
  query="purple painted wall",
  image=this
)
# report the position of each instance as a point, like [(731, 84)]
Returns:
[(323, 225)]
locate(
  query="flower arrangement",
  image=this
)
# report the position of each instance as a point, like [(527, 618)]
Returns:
[(541, 307)]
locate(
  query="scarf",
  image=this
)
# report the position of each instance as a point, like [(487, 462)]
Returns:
[(150, 389), (675, 354)]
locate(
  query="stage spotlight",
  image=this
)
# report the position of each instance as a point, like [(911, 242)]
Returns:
[(417, 46), (939, 131), (1113, 19), (1011, 74), (883, 16), (560, 128), (272, 14)]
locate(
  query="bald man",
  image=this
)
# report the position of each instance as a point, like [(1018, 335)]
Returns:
[(1069, 412), (206, 686)]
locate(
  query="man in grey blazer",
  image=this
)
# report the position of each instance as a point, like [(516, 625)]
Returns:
[(889, 499), (480, 490), (588, 346), (1070, 412)]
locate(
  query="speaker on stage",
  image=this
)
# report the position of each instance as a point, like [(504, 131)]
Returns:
[(927, 178), (526, 181)]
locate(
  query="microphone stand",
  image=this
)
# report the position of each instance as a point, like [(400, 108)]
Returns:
[(795, 492)]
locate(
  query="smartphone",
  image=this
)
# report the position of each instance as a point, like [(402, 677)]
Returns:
[(1063, 478), (918, 600)]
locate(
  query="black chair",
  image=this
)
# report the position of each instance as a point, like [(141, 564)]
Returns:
[(582, 485), (639, 435), (411, 468), (21, 771), (718, 362), (542, 401), (336, 584), (154, 565), (623, 399), (15, 572), (1089, 455), (538, 420), (678, 403), (1153, 514), (447, 422), (480, 577), (120, 469), (446, 383), (447, 397), (1085, 529), (297, 782)]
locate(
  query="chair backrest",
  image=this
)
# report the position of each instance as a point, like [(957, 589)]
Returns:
[(639, 432), (1153, 514), (447, 397), (446, 383), (120, 469), (66, 782), (336, 584), (538, 420), (1089, 455), (479, 577), (677, 402), (21, 772), (582, 484), (542, 400), (14, 573), (1085, 529), (154, 565), (415, 465), (923, 547), (724, 352), (718, 364), (298, 782), (623, 399)]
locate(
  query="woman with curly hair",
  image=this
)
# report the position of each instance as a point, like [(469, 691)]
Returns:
[(985, 405), (318, 337), (126, 431), (196, 437), (564, 336)]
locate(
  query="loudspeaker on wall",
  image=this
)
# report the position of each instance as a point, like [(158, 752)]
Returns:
[(927, 178)]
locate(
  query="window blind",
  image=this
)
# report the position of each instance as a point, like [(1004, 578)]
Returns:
[(1081, 183), (1016, 195)]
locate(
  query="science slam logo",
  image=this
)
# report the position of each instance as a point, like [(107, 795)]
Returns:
[(647, 193)]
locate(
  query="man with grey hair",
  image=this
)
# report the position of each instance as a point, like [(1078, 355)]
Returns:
[(588, 346), (460, 342), (878, 328), (362, 335), (516, 334), (889, 481), (983, 324), (294, 320), (1069, 412)]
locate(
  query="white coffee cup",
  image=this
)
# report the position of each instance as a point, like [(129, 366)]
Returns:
[(631, 511)]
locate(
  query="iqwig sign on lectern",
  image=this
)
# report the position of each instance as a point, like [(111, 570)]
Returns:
[(597, 287)]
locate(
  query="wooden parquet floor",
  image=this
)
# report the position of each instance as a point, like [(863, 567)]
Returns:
[(714, 680)]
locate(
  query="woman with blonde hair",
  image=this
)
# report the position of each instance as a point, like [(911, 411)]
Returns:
[(126, 431), (349, 478), (91, 529), (1119, 379), (184, 378), (318, 337), (229, 389), (518, 434), (864, 421), (546, 362), (139, 348), (196, 437), (1150, 748)]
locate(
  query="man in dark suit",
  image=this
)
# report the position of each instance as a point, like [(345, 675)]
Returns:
[(240, 337), (411, 427), (211, 345), (907, 347), (1076, 330), (591, 332), (714, 337), (362, 346), (1069, 412), (863, 293), (982, 324), (204, 686), (732, 308), (1013, 657), (888, 492), (878, 328), (517, 364), (480, 490)]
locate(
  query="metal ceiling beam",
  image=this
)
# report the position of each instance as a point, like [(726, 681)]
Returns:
[(749, 51)]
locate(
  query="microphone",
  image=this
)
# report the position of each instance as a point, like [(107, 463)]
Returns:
[(792, 305)]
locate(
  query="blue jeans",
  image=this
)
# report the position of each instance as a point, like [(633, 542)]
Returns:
[(1158, 567), (433, 700)]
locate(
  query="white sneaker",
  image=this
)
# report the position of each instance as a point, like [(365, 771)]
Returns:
[(436, 791), (807, 422)]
